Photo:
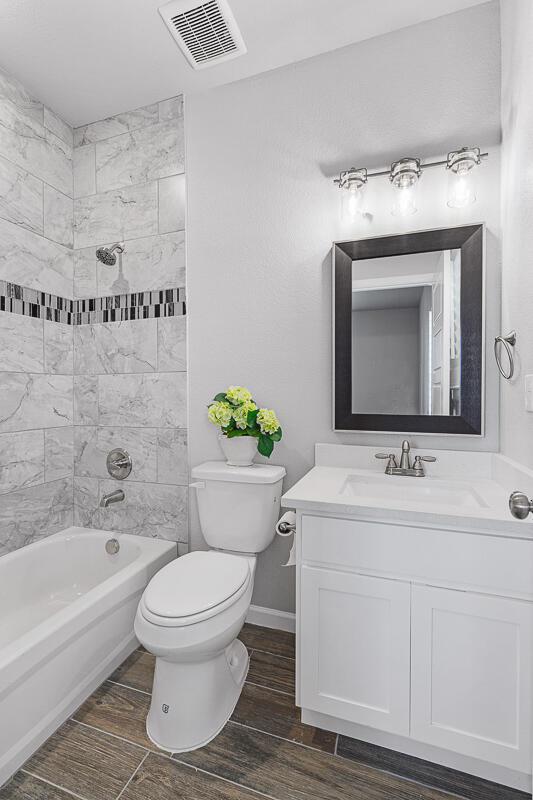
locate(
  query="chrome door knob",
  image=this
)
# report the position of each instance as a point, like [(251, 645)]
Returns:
[(520, 505)]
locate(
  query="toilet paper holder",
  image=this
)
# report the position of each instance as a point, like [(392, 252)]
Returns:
[(286, 527)]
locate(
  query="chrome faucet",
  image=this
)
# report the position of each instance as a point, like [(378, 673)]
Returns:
[(415, 470), (112, 497)]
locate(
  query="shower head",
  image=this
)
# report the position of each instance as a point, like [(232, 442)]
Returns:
[(107, 254)]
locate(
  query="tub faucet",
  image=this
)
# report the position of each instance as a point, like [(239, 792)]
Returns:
[(112, 497)]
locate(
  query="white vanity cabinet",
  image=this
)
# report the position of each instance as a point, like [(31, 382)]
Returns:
[(418, 639)]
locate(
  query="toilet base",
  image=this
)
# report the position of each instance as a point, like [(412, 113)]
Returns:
[(192, 701)]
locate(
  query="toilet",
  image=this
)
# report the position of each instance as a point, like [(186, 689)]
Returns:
[(192, 611)]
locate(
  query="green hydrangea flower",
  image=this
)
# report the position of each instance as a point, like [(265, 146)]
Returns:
[(240, 414), (238, 395), (267, 420), (220, 414)]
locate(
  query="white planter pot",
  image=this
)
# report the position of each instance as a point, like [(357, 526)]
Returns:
[(239, 451)]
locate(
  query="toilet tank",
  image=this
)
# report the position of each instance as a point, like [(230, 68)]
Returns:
[(238, 506)]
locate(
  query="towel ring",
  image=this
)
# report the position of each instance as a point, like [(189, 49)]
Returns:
[(508, 342)]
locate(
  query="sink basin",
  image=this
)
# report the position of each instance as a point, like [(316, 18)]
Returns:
[(409, 490)]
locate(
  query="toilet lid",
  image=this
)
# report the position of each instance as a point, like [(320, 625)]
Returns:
[(195, 583)]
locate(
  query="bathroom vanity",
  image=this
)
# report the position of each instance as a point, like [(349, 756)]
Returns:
[(415, 608)]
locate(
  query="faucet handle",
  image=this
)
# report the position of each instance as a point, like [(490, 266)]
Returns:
[(425, 458), (392, 463)]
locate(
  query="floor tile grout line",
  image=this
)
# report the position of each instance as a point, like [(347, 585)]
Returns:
[(277, 736), (270, 653), (51, 783), (127, 686), (133, 774), (270, 688)]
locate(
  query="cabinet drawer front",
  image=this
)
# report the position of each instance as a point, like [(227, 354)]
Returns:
[(354, 648), (471, 675), (466, 560)]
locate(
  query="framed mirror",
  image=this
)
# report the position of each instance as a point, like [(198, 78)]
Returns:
[(408, 332)]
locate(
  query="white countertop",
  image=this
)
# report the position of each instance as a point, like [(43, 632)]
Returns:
[(469, 491)]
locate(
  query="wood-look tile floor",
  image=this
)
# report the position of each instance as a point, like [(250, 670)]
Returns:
[(103, 753)]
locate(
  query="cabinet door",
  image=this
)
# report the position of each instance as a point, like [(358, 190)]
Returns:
[(471, 674), (354, 648)]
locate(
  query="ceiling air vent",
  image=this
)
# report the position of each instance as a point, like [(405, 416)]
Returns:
[(206, 32)]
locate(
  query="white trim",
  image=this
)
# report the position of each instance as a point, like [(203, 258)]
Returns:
[(272, 618)]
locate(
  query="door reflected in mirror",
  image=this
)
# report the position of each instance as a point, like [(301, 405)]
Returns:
[(406, 334)]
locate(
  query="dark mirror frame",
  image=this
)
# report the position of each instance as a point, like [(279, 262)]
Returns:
[(470, 240)]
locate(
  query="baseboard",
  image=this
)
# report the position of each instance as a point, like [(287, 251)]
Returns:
[(272, 618)]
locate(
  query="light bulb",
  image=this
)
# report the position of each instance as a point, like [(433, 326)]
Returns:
[(404, 201), (460, 165)]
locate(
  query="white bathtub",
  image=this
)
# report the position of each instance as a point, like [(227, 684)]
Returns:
[(66, 622)]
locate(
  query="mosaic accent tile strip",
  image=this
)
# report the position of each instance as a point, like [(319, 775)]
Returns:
[(115, 308)]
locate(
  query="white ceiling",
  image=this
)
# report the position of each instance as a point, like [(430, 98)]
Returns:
[(89, 60)]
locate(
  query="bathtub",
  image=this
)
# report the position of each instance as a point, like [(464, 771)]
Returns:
[(66, 622)]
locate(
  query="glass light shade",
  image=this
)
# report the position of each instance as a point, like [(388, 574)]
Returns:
[(461, 179), (353, 202), (404, 203), (461, 189), (352, 183), (404, 177)]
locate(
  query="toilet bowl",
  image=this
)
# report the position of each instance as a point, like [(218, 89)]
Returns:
[(192, 611)]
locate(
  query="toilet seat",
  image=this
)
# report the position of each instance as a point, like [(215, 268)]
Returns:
[(194, 588)]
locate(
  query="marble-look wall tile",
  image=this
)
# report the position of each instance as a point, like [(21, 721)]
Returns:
[(58, 216), (171, 108), (114, 126), (58, 453), (116, 215), (21, 343), (86, 502), (141, 156), (31, 260), (16, 93), (58, 126), (116, 347), (21, 197), (172, 203), (58, 348), (172, 456), (151, 263), (21, 460), (172, 344), (84, 166), (85, 273), (85, 400), (148, 509), (33, 513), (31, 146), (158, 400), (34, 401), (92, 445)]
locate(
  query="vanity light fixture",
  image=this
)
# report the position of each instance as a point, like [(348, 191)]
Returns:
[(460, 166), (353, 182), (404, 175)]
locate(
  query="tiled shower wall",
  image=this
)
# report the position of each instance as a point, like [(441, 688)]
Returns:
[(130, 376), (71, 392), (36, 406)]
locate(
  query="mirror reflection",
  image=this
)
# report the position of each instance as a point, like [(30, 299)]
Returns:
[(406, 334)]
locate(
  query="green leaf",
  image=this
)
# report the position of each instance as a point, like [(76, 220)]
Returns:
[(231, 434), (276, 436), (265, 445), (252, 418), (219, 398)]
